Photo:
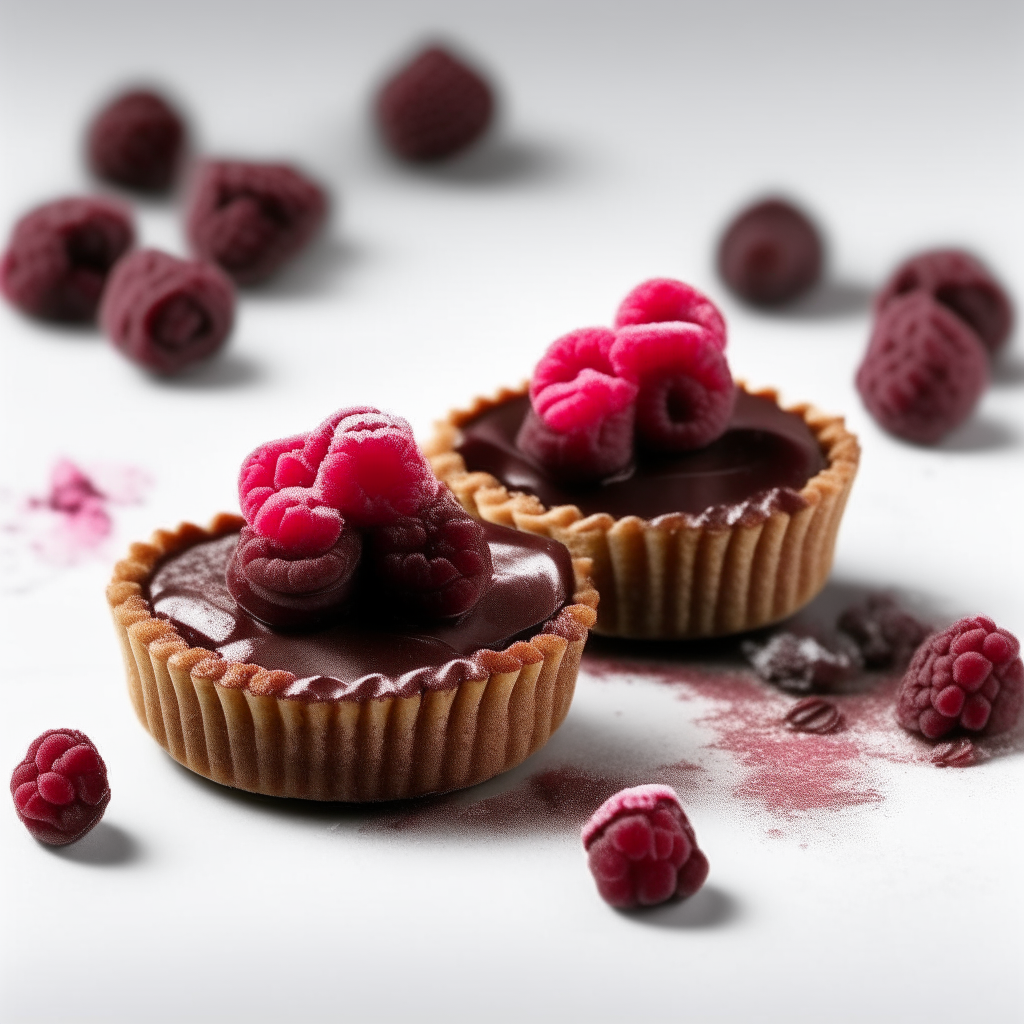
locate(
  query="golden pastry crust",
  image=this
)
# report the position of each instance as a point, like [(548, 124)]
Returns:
[(225, 720), (680, 576)]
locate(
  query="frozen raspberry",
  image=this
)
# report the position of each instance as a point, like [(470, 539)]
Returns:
[(60, 789), (961, 753), (164, 313), (961, 283), (59, 256), (434, 107), (579, 456), (686, 392), (251, 218), (642, 849), (663, 299), (924, 369), (969, 676), (771, 253), (137, 141), (432, 565), (886, 635), (812, 714), (286, 591), (801, 663)]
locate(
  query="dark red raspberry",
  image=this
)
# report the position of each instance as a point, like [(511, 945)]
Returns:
[(642, 849), (969, 676), (59, 256), (434, 107), (584, 455), (771, 253), (137, 140), (287, 591), (812, 714), (924, 369), (251, 218), (801, 663), (886, 634), (60, 789), (164, 313), (434, 564), (961, 753), (961, 283)]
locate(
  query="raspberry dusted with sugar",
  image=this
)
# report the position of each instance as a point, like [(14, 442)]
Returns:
[(961, 283), (969, 676), (642, 849), (164, 313), (434, 107), (924, 369), (664, 299), (60, 254), (251, 218), (137, 141), (885, 634), (60, 788), (801, 663)]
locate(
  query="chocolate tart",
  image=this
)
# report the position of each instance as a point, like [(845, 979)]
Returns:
[(376, 732), (704, 566)]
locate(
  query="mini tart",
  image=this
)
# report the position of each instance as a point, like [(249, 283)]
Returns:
[(230, 723), (681, 576)]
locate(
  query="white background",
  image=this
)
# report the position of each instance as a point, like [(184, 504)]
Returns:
[(630, 133)]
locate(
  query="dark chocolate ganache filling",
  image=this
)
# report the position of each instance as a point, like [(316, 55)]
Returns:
[(765, 454), (365, 657)]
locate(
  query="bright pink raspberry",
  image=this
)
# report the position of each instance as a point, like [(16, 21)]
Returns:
[(165, 313), (924, 369), (434, 564), (664, 299), (642, 849), (60, 789), (251, 218), (686, 391), (60, 254), (969, 676)]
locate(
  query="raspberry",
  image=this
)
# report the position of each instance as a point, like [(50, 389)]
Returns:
[(961, 283), (770, 253), (137, 141), (642, 849), (968, 676), (434, 107), (886, 635), (434, 564), (286, 591), (961, 753), (686, 391), (812, 714), (164, 313), (60, 789), (251, 218), (661, 299), (801, 663), (924, 369), (59, 256), (580, 456)]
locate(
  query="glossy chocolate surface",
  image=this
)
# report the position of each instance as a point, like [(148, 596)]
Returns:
[(764, 452), (366, 657)]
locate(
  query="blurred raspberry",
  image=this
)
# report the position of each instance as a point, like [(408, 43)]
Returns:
[(60, 788), (771, 253), (801, 663), (969, 676), (59, 256), (434, 107), (164, 313), (886, 634), (924, 369), (642, 849), (251, 218), (961, 283), (663, 299), (812, 714), (137, 140)]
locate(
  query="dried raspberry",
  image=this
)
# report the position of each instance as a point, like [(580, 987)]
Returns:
[(961, 283), (580, 456), (432, 565), (924, 369), (642, 849), (137, 141), (164, 313), (886, 635), (968, 676), (961, 753), (60, 789), (770, 253), (434, 107), (251, 218), (663, 299), (686, 391), (801, 663), (285, 591), (59, 256), (812, 714)]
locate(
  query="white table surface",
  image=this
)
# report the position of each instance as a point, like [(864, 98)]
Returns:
[(630, 133)]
